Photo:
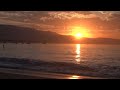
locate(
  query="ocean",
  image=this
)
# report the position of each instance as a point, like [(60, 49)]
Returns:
[(82, 59)]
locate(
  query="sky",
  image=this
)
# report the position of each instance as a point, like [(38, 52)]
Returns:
[(89, 23)]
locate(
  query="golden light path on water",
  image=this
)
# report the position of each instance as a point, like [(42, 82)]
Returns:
[(77, 57), (74, 77)]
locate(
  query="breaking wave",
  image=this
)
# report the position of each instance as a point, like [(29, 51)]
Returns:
[(98, 70)]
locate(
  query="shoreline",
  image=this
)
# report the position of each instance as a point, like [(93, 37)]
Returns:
[(27, 74), (14, 67)]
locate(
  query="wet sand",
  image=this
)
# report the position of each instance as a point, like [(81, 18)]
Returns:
[(6, 73)]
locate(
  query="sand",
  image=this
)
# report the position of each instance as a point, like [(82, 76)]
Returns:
[(6, 73)]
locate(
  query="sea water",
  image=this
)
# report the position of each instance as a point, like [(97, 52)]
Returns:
[(86, 59)]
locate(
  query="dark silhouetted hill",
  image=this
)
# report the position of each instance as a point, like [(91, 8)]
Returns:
[(11, 33), (99, 41)]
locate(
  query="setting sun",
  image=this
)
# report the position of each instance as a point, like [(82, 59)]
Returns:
[(79, 32), (78, 35)]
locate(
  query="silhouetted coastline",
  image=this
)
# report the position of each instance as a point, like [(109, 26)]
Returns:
[(16, 34)]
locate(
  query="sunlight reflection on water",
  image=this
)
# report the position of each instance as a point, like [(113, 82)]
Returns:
[(77, 57), (74, 77)]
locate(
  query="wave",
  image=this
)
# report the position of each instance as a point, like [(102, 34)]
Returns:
[(98, 70)]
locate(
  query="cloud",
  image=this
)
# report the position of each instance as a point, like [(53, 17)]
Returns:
[(11, 22), (39, 16), (103, 15), (70, 15)]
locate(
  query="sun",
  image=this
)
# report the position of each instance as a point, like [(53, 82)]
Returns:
[(80, 32), (78, 35)]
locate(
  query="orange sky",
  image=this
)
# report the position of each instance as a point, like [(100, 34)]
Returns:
[(88, 23)]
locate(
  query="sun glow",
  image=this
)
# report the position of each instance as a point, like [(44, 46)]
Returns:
[(80, 32), (78, 35)]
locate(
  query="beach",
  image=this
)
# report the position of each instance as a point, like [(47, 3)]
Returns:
[(14, 68), (6, 73)]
